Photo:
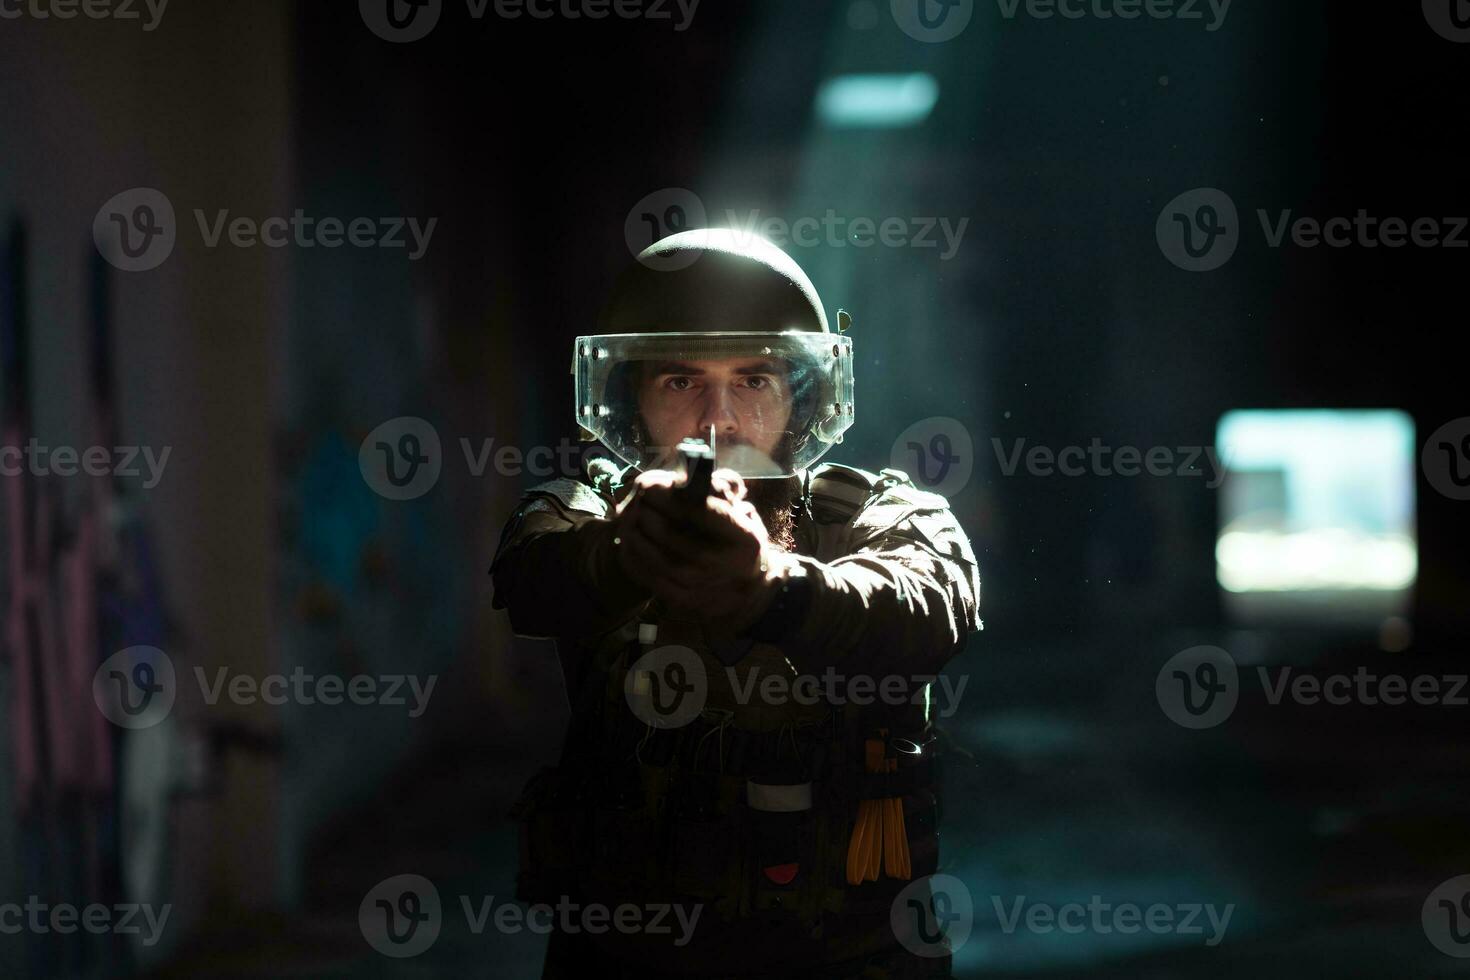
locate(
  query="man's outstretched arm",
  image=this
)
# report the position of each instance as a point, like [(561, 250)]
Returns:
[(905, 601), (556, 573)]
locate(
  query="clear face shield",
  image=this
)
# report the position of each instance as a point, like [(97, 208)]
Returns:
[(774, 402)]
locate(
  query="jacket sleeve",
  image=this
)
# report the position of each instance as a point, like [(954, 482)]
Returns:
[(905, 599), (556, 573)]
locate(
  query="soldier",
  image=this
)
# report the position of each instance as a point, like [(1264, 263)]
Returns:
[(747, 655)]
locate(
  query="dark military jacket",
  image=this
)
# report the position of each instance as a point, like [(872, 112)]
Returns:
[(748, 809)]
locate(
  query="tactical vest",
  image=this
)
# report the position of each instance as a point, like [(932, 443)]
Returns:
[(749, 808)]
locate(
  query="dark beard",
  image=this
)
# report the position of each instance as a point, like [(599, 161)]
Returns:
[(772, 500)]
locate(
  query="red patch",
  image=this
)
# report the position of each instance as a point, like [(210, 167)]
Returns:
[(781, 874)]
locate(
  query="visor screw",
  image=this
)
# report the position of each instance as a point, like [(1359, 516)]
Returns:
[(584, 350), (836, 350), (586, 410)]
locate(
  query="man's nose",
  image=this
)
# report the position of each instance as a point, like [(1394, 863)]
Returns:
[(719, 412)]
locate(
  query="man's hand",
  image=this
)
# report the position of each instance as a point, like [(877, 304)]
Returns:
[(714, 563)]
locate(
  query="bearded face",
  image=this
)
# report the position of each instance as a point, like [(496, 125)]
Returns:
[(773, 500)]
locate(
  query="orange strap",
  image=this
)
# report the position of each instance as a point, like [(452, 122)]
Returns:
[(879, 838)]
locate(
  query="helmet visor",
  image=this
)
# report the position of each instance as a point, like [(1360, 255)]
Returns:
[(775, 402)]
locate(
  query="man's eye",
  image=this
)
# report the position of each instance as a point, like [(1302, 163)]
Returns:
[(679, 383), (757, 382)]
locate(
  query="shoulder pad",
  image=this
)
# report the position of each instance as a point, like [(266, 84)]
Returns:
[(559, 497), (839, 492), (851, 508), (902, 510), (571, 494), (904, 491)]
